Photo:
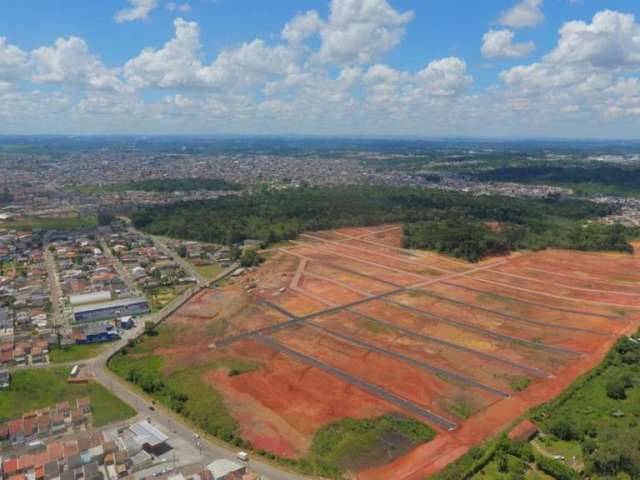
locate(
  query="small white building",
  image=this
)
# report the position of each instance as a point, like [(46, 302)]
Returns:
[(222, 467)]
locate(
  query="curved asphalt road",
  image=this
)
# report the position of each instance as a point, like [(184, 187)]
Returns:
[(211, 449)]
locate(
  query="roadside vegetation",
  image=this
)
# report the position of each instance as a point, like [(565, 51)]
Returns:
[(75, 353), (32, 389), (484, 225), (335, 448), (209, 271)]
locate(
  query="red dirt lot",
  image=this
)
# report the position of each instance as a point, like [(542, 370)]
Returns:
[(537, 273), (333, 293), (527, 332), (359, 282), (473, 366), (511, 305), (411, 383), (547, 335), (521, 354), (582, 296), (406, 264), (378, 272), (281, 405), (538, 297)]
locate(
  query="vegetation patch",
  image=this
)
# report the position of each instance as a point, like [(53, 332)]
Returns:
[(52, 223), (374, 327), (183, 389), (209, 271), (460, 409), (503, 459), (355, 444), (600, 414), (589, 178), (276, 216), (520, 384), (593, 428), (76, 353), (38, 388)]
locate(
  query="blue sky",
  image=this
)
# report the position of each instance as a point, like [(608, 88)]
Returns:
[(506, 68)]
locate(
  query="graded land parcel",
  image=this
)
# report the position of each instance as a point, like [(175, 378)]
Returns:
[(346, 323)]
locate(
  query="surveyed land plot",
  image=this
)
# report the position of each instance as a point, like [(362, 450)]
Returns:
[(347, 323)]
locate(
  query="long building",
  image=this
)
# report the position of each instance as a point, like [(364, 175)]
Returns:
[(117, 308)]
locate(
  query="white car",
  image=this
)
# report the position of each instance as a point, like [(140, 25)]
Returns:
[(244, 456)]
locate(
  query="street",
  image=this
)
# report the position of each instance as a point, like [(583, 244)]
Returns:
[(211, 449)]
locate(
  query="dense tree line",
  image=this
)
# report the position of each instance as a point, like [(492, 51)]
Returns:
[(176, 185), (455, 221), (625, 179)]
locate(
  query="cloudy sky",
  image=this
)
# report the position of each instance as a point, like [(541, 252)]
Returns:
[(490, 68)]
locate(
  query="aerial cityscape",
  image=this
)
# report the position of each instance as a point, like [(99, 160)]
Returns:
[(330, 239)]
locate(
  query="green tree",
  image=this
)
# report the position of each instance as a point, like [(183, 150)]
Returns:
[(250, 258), (105, 218)]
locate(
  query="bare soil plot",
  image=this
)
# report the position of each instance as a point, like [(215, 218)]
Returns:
[(537, 272), (485, 370), (424, 389), (378, 272), (522, 354), (282, 404), (536, 334), (528, 295), (333, 293), (570, 293), (512, 305), (351, 277)]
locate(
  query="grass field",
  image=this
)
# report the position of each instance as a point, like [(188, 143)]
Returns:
[(38, 388), (164, 295), (348, 442), (51, 223), (183, 390), (76, 353), (209, 271)]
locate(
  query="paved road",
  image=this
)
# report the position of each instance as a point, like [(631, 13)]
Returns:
[(211, 449), (186, 265), (123, 271), (60, 319)]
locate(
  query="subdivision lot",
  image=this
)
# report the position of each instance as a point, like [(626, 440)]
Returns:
[(590, 297), (347, 323)]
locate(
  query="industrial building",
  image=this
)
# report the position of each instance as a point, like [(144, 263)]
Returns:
[(116, 308), (89, 298)]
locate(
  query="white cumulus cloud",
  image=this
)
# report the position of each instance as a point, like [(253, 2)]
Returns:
[(13, 61), (178, 7), (70, 62), (178, 63), (527, 13), (590, 66), (360, 31), (138, 10), (499, 44)]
